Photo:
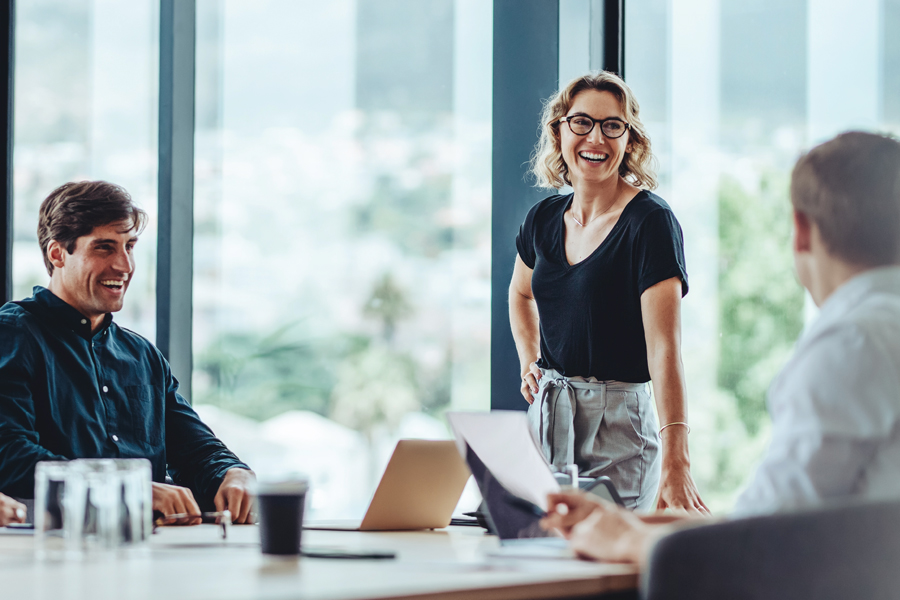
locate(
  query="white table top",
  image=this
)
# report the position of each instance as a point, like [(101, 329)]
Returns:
[(193, 563)]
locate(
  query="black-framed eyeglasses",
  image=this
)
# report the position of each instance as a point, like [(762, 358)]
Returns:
[(612, 127)]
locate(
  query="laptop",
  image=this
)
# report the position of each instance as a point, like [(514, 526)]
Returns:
[(419, 489), (514, 479), (514, 520)]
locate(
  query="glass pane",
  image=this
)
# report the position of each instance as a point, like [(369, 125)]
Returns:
[(728, 117), (343, 219), (86, 108)]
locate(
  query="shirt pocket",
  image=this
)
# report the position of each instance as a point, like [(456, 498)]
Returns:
[(146, 419)]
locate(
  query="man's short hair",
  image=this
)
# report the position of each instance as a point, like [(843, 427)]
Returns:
[(74, 209), (850, 188)]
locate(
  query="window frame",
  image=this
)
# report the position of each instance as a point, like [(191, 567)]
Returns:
[(526, 71)]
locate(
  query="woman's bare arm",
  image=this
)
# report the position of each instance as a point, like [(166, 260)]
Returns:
[(661, 310), (523, 319)]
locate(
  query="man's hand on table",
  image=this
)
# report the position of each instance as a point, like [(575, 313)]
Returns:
[(567, 509), (11, 511), (600, 530), (173, 500), (613, 534), (236, 495)]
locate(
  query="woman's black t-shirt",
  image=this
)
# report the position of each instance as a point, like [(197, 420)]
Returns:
[(590, 312)]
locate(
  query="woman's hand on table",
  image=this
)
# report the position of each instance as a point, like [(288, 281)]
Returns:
[(11, 511), (677, 491), (530, 382)]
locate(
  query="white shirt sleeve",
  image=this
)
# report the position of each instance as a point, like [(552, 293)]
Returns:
[(831, 406)]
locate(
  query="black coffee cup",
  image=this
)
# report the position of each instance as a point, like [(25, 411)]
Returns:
[(281, 516)]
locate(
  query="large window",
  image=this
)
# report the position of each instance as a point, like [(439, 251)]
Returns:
[(342, 202), (732, 92), (342, 231), (86, 108)]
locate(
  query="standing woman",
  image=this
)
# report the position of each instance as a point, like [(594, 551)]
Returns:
[(595, 301)]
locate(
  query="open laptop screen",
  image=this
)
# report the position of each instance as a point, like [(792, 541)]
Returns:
[(509, 516)]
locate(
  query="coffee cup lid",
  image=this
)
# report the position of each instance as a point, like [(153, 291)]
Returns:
[(282, 486)]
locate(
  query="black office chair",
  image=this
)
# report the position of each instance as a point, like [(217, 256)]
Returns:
[(843, 552)]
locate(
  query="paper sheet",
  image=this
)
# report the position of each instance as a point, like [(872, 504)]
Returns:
[(503, 441)]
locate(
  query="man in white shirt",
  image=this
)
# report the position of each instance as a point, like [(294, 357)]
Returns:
[(835, 406)]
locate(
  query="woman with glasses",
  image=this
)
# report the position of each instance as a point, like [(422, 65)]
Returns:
[(595, 301)]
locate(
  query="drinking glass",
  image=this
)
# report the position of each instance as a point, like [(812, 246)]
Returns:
[(135, 506), (50, 490), (94, 504)]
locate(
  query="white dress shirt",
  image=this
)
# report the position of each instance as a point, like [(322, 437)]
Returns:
[(835, 406)]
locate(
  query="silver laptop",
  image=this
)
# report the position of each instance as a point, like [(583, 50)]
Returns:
[(419, 489)]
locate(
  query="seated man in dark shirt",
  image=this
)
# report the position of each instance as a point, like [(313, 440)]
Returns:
[(73, 384)]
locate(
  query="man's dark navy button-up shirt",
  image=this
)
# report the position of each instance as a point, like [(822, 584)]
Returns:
[(67, 393)]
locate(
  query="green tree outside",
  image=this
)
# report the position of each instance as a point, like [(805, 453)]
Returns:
[(760, 300), (760, 306)]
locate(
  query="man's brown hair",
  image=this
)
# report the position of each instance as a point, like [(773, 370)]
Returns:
[(850, 188), (74, 209)]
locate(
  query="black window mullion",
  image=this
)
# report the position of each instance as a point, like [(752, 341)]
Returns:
[(174, 271), (7, 46), (614, 36), (526, 67)]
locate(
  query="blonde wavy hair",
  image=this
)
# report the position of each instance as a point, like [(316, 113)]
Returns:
[(547, 164)]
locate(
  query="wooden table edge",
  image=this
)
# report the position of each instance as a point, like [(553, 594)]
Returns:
[(572, 588)]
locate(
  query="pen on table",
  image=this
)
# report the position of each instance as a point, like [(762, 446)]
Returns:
[(205, 515), (223, 515)]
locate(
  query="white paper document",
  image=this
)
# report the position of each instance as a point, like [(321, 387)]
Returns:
[(503, 441)]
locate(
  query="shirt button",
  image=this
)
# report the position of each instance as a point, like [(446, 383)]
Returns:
[(105, 389), (84, 321), (115, 438)]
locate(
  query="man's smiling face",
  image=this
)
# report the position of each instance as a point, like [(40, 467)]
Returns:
[(94, 277)]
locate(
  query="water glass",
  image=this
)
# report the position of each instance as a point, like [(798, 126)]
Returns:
[(50, 488), (93, 504), (135, 516)]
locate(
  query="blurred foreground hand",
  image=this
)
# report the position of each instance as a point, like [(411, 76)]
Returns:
[(11, 511)]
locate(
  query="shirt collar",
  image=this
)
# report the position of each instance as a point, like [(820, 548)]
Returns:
[(66, 315), (854, 291)]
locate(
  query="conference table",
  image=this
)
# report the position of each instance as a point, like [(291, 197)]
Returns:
[(195, 563)]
